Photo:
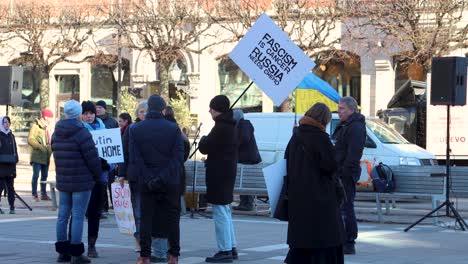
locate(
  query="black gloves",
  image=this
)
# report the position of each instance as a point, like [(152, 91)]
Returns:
[(104, 165)]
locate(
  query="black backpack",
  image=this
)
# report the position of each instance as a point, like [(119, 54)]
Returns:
[(382, 178)]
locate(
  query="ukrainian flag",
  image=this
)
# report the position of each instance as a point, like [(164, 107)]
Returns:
[(313, 90)]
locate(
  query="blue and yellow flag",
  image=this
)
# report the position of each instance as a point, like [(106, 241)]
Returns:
[(313, 90)]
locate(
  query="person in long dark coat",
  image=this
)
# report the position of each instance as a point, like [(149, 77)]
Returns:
[(221, 146), (8, 160), (315, 229)]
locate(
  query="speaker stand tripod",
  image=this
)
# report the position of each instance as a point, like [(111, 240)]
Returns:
[(447, 203)]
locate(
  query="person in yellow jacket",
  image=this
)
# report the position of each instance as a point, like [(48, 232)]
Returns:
[(39, 141)]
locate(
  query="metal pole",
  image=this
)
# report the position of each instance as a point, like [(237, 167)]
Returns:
[(119, 60), (447, 168)]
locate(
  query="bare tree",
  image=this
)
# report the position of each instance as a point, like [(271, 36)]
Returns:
[(421, 29), (45, 35), (165, 29)]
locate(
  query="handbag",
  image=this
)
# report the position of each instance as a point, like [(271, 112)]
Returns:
[(282, 208)]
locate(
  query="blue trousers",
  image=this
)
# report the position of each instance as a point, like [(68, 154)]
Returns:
[(224, 228), (44, 170), (74, 204), (347, 211)]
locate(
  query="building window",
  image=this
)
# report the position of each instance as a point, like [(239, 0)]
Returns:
[(342, 70), (104, 86), (233, 81)]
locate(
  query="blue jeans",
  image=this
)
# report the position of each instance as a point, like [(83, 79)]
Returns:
[(44, 170), (74, 203), (223, 227), (160, 247)]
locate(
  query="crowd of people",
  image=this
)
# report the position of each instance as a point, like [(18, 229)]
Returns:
[(155, 150)]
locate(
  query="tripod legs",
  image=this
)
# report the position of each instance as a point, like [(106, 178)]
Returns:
[(458, 218)]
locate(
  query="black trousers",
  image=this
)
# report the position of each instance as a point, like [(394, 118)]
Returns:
[(164, 209), (94, 211), (8, 184)]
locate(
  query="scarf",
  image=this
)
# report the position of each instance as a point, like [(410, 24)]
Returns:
[(307, 120)]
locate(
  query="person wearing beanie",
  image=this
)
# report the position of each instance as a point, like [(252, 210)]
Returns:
[(109, 122), (78, 167), (96, 201), (156, 141), (101, 108), (221, 147), (39, 143)]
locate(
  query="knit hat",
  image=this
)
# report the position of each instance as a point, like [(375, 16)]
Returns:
[(101, 103), (47, 113), (72, 109), (88, 106), (156, 103), (220, 103)]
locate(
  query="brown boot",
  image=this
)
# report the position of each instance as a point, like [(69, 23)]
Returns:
[(143, 260), (173, 260)]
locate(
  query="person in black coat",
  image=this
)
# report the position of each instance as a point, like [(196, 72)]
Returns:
[(8, 161), (315, 228), (350, 138), (78, 167), (156, 146), (221, 146), (248, 153)]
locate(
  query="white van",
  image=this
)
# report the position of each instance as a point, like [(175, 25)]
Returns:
[(383, 144)]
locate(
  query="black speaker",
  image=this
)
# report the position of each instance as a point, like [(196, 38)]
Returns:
[(11, 83), (448, 81)]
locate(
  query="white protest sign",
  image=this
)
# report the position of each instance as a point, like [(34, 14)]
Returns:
[(273, 175), (123, 208), (271, 59), (109, 144)]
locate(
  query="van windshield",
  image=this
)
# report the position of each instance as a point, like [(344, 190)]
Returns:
[(384, 133)]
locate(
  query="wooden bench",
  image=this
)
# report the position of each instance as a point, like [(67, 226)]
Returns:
[(53, 195), (411, 181), (249, 180)]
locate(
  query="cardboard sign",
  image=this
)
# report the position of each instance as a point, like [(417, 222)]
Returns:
[(271, 59), (123, 208), (274, 177), (109, 144)]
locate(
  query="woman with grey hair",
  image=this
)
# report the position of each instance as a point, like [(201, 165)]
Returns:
[(141, 110)]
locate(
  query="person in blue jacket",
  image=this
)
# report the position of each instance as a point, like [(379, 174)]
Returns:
[(77, 169)]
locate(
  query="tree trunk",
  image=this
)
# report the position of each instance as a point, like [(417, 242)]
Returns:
[(44, 89), (164, 80)]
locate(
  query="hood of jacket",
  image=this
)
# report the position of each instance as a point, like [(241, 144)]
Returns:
[(227, 117), (67, 127)]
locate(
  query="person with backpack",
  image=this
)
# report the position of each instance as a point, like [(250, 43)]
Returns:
[(248, 153), (349, 138), (221, 147)]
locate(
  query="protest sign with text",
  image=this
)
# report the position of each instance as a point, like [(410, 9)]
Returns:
[(123, 208), (109, 144), (271, 59)]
